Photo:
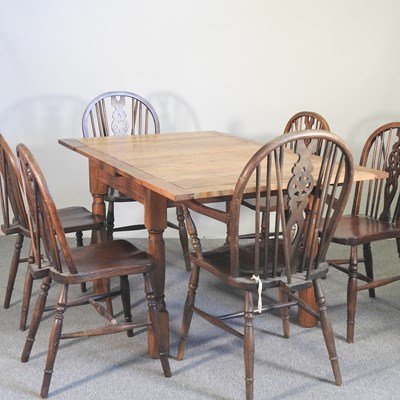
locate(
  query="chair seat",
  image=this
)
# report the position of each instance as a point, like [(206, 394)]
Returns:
[(73, 219), (78, 218), (13, 228), (354, 230), (217, 261), (105, 260)]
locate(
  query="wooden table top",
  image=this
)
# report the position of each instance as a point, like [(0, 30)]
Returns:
[(181, 166)]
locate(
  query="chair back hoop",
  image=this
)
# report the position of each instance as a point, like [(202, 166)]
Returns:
[(305, 120), (48, 238), (380, 199), (308, 204), (10, 189), (119, 113)]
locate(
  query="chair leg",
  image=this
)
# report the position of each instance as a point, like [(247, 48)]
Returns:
[(109, 305), (398, 245), (103, 286), (369, 266), (188, 311), (155, 324), (249, 344), (79, 243), (54, 341), (263, 225), (183, 236), (36, 318), (79, 239), (227, 208), (13, 269), (283, 298), (27, 292), (110, 220), (126, 301), (98, 235), (327, 331), (352, 294), (26, 299)]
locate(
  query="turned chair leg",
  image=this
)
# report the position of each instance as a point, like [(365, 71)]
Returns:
[(327, 331), (155, 324), (126, 301), (283, 298), (352, 294), (110, 220), (248, 345), (183, 237), (79, 243), (79, 239), (54, 341), (188, 311), (27, 292), (398, 246), (13, 269), (369, 266), (36, 318), (26, 299)]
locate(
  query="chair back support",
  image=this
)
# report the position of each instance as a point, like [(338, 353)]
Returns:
[(304, 120), (381, 198), (119, 113), (12, 204), (47, 233), (308, 205)]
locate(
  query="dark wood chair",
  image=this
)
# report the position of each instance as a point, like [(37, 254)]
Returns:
[(375, 216), (301, 121), (126, 113), (70, 266), (74, 219), (308, 192)]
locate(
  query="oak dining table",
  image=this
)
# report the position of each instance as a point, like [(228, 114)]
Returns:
[(163, 169)]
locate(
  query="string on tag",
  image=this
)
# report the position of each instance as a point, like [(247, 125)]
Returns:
[(258, 281)]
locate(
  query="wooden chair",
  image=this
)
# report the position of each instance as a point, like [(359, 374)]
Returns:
[(15, 222), (71, 266), (301, 121), (375, 216), (126, 113), (285, 262)]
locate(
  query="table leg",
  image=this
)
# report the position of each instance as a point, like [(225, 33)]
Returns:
[(155, 220), (304, 318), (98, 190)]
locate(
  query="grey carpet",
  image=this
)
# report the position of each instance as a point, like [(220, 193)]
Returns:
[(117, 367)]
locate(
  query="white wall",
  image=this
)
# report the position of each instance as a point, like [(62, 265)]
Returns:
[(242, 67)]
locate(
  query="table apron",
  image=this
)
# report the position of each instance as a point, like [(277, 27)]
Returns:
[(124, 184)]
